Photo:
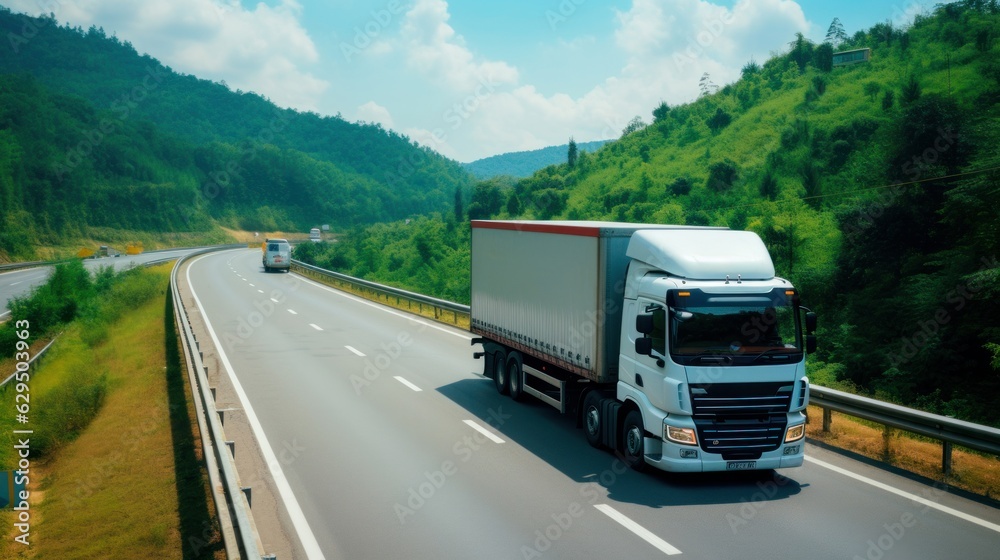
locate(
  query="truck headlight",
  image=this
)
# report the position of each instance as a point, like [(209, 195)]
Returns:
[(795, 433), (683, 436)]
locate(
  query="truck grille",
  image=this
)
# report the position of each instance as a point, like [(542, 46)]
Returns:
[(741, 420)]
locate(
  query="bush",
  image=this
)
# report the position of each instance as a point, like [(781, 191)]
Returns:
[(823, 57), (769, 186), (888, 100), (55, 302), (719, 120), (681, 186), (722, 175), (68, 408)]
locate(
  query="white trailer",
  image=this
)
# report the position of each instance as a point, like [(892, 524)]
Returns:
[(675, 345)]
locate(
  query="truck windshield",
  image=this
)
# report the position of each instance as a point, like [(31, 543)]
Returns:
[(744, 329)]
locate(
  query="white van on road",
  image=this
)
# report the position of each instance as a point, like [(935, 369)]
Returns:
[(277, 255)]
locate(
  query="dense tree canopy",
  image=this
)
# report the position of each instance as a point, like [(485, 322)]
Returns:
[(94, 135)]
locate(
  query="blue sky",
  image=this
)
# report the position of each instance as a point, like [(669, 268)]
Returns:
[(471, 79)]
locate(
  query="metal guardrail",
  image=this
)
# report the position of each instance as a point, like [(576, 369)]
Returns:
[(31, 361), (219, 459), (438, 305), (949, 431), (20, 265)]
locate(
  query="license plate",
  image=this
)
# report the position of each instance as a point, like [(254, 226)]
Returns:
[(741, 465)]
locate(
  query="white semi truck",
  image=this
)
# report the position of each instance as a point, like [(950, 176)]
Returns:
[(675, 346)]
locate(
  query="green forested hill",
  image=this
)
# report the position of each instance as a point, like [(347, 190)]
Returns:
[(94, 135), (523, 164), (876, 187)]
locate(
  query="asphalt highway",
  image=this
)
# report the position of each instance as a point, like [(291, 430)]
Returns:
[(19, 283), (394, 446)]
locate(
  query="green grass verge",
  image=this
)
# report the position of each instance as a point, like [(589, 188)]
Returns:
[(117, 471)]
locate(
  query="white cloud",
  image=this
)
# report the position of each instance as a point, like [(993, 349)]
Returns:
[(665, 46), (262, 50), (464, 104), (677, 41), (434, 49), (373, 112)]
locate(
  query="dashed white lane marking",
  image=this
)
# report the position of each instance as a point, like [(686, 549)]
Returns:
[(260, 291), (381, 307), (293, 312), (907, 495), (412, 386), (640, 531), (355, 351), (315, 326), (484, 431), (275, 301)]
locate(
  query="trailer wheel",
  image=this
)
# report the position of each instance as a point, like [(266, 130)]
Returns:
[(633, 440), (592, 418), (500, 373), (515, 376)]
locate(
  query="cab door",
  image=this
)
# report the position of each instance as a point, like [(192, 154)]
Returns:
[(648, 370)]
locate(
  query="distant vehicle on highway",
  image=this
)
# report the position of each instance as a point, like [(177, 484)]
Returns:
[(277, 255), (314, 235), (105, 251)]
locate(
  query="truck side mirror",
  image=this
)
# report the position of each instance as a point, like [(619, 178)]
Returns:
[(644, 346), (810, 322), (644, 323), (810, 343)]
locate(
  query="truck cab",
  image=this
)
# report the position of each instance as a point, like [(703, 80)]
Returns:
[(712, 353)]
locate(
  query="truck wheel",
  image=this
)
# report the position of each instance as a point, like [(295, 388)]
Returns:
[(633, 441), (592, 422), (515, 376), (500, 373)]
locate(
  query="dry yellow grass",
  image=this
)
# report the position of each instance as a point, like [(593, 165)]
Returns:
[(971, 471)]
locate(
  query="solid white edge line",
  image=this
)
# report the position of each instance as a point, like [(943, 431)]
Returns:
[(642, 532), (408, 384), (383, 308), (355, 351), (315, 326), (298, 518), (909, 496), (483, 431)]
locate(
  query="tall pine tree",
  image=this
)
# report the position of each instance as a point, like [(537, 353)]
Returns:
[(835, 35)]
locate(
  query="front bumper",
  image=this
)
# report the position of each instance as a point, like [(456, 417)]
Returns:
[(666, 456)]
